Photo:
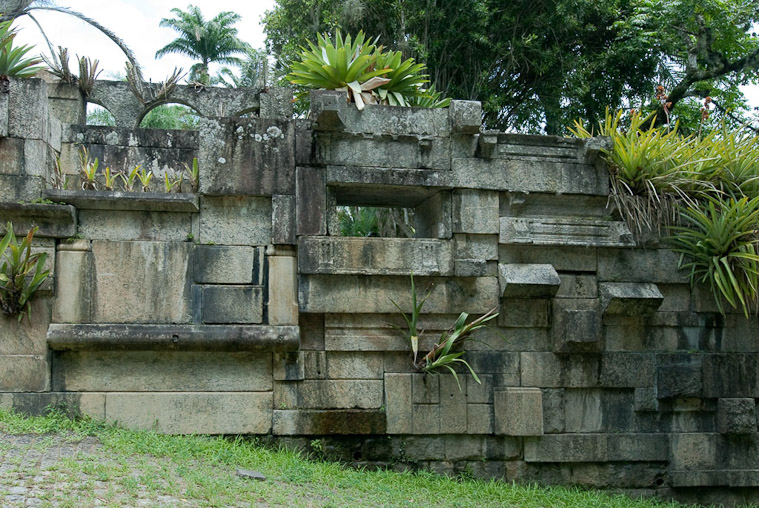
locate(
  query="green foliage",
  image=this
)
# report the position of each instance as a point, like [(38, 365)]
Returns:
[(100, 116), (720, 246), (170, 116), (13, 61), (21, 273), (442, 355), (128, 179), (363, 70), (88, 169), (376, 221), (145, 177), (193, 174), (209, 41)]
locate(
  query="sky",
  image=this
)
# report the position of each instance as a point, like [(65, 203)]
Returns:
[(136, 22)]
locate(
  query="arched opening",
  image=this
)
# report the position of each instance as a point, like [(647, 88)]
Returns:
[(98, 115), (174, 116)]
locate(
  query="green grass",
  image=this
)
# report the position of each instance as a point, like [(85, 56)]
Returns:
[(199, 470)]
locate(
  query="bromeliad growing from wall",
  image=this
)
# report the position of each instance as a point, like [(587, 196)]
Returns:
[(21, 273)]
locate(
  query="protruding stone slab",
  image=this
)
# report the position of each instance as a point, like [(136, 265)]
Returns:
[(528, 280), (130, 201), (466, 116), (736, 416), (630, 298), (63, 337), (53, 221), (518, 411), (375, 256), (587, 232)]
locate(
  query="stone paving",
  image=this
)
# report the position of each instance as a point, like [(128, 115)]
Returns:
[(55, 471)]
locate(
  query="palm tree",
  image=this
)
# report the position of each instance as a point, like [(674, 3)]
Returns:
[(254, 69), (208, 41)]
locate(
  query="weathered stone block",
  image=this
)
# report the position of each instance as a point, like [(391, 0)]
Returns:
[(38, 157), (562, 258), (548, 370), (453, 403), (479, 393), (638, 265), (518, 411), (232, 304), (505, 365), (24, 373), (577, 286), (137, 371), (479, 419), (630, 298), (126, 226), (426, 389), (283, 220), (463, 447), (638, 447), (382, 151), (340, 394), (466, 116), (679, 379), (192, 413), (289, 366), (329, 422), (566, 448), (11, 156), (475, 211), (354, 365), (586, 232), (731, 375), (283, 289), (483, 247), (621, 370), (235, 220), (276, 102), (141, 282), (528, 281), (432, 217), (424, 448), (311, 331), (254, 157), (645, 399), (28, 115), (474, 268), (311, 201), (525, 313), (315, 364), (398, 406), (73, 286), (426, 419), (694, 451), (553, 411), (576, 323), (375, 256), (26, 337), (736, 416), (217, 264), (361, 294)]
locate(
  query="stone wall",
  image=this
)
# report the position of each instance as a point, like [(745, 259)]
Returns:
[(240, 310)]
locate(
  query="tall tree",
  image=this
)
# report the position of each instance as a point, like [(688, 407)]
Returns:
[(209, 41), (536, 65)]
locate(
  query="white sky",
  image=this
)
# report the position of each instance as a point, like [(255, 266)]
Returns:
[(136, 22)]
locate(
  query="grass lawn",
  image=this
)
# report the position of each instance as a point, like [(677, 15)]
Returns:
[(137, 468)]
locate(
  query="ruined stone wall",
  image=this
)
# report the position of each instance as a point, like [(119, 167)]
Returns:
[(240, 309)]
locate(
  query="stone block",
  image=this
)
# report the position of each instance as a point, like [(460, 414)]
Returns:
[(28, 115), (311, 331), (426, 389), (479, 393), (453, 404), (424, 448), (736, 416), (426, 419), (12, 156), (479, 419), (161, 371), (192, 412), (217, 264), (694, 451), (315, 364), (432, 217), (638, 447), (375, 256), (731, 375), (276, 102), (4, 116), (232, 304), (474, 268), (131, 225), (253, 157), (562, 258), (475, 211), (577, 286), (282, 307), (576, 323), (504, 365), (528, 280), (283, 219), (26, 337), (354, 365), (585, 232), (74, 280), (463, 447), (525, 313), (549, 370), (38, 157), (383, 151), (340, 394), (630, 298), (553, 411), (311, 201), (566, 448), (518, 411), (235, 220), (21, 188), (645, 399), (398, 405), (466, 116), (24, 373), (363, 294), (482, 247), (638, 265), (141, 282), (679, 378), (622, 370), (329, 422), (289, 366)]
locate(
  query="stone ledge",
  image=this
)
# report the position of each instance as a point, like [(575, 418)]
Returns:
[(130, 201), (78, 337), (54, 221)]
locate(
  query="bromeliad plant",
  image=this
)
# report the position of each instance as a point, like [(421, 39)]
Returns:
[(364, 71), (21, 273), (13, 61), (88, 169), (446, 352)]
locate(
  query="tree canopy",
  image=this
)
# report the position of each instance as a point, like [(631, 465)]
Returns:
[(536, 65)]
